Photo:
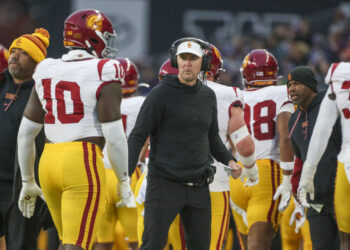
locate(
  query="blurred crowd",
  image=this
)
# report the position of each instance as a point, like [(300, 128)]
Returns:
[(297, 43), (294, 44)]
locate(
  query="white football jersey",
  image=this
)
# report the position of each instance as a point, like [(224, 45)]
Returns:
[(262, 105), (339, 76), (225, 97), (129, 109), (68, 89)]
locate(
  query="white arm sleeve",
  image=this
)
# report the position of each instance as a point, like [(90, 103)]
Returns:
[(117, 148), (27, 132), (327, 116)]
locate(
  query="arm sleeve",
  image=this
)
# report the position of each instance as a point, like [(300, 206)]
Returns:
[(327, 117), (217, 147), (148, 118), (27, 132), (117, 149)]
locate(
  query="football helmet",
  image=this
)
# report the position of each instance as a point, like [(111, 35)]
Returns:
[(131, 76), (90, 30), (4, 56), (259, 69), (216, 65), (167, 69)]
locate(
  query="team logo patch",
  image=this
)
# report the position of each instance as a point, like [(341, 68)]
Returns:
[(304, 124), (18, 42), (94, 22), (189, 45), (10, 96)]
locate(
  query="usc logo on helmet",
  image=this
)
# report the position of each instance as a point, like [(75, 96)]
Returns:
[(216, 52), (245, 61), (94, 22)]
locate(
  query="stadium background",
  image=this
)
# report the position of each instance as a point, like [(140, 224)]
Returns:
[(298, 32)]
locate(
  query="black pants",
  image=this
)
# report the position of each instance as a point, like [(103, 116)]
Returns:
[(22, 233), (5, 199), (323, 231), (164, 200)]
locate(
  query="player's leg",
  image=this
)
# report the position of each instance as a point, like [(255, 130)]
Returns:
[(176, 235), (51, 181), (262, 212), (290, 239), (140, 190), (342, 206), (83, 199), (239, 203), (220, 217), (105, 230), (128, 220)]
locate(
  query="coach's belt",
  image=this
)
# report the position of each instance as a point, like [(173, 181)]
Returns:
[(194, 184)]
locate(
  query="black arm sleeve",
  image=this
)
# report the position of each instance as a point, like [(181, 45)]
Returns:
[(149, 116), (217, 147)]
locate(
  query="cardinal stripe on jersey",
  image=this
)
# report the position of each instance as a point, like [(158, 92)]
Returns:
[(100, 65)]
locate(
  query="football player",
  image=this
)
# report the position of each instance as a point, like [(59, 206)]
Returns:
[(231, 127), (127, 216), (266, 112), (77, 100), (336, 103)]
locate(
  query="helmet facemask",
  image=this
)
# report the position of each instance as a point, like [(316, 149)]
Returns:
[(109, 40)]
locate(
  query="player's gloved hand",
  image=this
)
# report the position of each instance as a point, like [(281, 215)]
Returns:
[(298, 216), (126, 195), (29, 192), (284, 190), (306, 184), (251, 175)]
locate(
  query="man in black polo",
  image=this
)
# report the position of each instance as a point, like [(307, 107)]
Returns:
[(180, 115), (302, 87)]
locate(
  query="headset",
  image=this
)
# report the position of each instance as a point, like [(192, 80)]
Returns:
[(206, 59)]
